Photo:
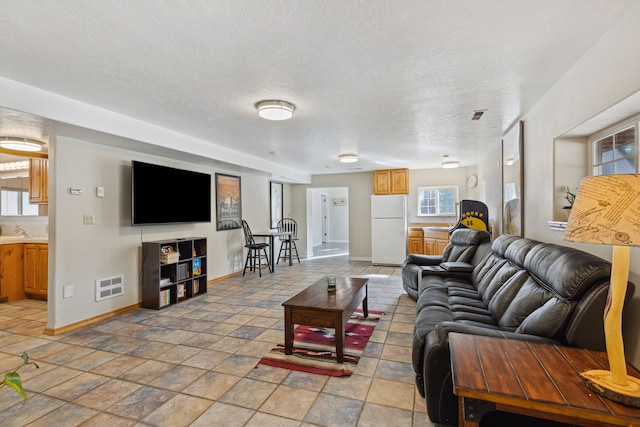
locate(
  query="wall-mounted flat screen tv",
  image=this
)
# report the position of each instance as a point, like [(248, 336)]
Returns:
[(164, 195)]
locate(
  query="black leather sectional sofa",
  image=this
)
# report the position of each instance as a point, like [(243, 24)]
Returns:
[(515, 288)]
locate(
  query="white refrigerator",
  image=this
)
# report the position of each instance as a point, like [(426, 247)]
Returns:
[(388, 229)]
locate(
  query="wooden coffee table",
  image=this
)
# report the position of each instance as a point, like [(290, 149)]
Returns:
[(540, 380), (315, 306)]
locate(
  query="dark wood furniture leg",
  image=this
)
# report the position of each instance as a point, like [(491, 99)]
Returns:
[(288, 331), (365, 304), (339, 332)]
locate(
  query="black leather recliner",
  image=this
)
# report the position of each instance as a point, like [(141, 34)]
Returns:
[(462, 247)]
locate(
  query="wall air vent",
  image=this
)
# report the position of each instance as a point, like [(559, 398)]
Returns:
[(109, 287), (477, 114)]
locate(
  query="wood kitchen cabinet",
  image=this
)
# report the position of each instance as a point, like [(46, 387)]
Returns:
[(391, 181), (11, 273), (36, 280), (38, 181), (435, 240), (428, 240), (416, 241), (434, 246)]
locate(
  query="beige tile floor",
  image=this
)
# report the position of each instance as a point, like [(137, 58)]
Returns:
[(195, 363)]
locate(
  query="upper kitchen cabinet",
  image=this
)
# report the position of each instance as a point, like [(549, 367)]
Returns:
[(391, 181), (38, 181)]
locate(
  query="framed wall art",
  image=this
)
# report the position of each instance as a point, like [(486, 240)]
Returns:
[(228, 202), (275, 202), (512, 181)]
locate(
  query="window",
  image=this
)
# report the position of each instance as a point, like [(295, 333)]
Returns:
[(16, 202), (615, 149), (434, 201)]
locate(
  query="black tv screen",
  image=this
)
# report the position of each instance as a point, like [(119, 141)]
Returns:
[(164, 195)]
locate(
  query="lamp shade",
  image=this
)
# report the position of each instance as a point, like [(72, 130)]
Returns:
[(606, 210)]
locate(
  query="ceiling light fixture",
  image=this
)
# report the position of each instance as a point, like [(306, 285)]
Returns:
[(20, 144), (275, 110), (348, 158), (448, 163), (14, 166)]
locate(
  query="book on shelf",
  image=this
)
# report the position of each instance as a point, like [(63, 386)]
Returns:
[(183, 271), (165, 281), (182, 291), (197, 267), (196, 286), (165, 297)]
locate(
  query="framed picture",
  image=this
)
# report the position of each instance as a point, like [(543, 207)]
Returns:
[(276, 202), (512, 181), (228, 202)]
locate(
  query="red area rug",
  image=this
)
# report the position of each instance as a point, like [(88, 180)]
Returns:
[(314, 349)]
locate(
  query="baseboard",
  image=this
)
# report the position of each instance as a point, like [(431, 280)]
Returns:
[(221, 278), (86, 322)]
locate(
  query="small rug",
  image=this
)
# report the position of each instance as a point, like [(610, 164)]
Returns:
[(314, 349)]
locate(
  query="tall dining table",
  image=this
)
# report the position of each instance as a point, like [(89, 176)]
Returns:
[(271, 235)]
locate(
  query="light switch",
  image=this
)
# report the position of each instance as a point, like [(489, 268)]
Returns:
[(99, 191), (67, 291)]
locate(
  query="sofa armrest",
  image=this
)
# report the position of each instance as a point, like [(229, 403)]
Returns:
[(457, 267), (444, 328), (421, 260)]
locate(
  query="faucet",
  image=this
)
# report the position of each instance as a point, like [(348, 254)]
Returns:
[(22, 232)]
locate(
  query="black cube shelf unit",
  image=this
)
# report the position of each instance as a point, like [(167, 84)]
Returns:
[(173, 271)]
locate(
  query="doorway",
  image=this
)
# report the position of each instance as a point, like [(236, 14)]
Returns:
[(327, 222)]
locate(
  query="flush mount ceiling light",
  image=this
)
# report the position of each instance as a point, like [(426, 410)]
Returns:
[(447, 163), (14, 166), (275, 110), (348, 158), (20, 144)]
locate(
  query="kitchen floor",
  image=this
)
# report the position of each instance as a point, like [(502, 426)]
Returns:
[(196, 363)]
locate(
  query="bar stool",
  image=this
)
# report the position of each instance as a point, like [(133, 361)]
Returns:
[(254, 256), (288, 243)]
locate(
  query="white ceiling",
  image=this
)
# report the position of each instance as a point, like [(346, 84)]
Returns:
[(395, 81)]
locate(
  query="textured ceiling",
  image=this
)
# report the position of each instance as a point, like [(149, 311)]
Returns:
[(395, 81)]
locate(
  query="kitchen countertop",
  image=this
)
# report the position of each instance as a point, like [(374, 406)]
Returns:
[(6, 240)]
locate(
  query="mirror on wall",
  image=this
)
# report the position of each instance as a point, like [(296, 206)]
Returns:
[(14, 187)]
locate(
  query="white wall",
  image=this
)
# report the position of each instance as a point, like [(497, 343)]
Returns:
[(439, 178), (83, 253), (607, 74), (337, 218), (359, 189)]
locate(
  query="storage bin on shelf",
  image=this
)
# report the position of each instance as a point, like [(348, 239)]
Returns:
[(169, 257)]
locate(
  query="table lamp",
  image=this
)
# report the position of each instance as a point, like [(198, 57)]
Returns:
[(607, 211)]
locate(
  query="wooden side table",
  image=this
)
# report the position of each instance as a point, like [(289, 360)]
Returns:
[(539, 380)]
